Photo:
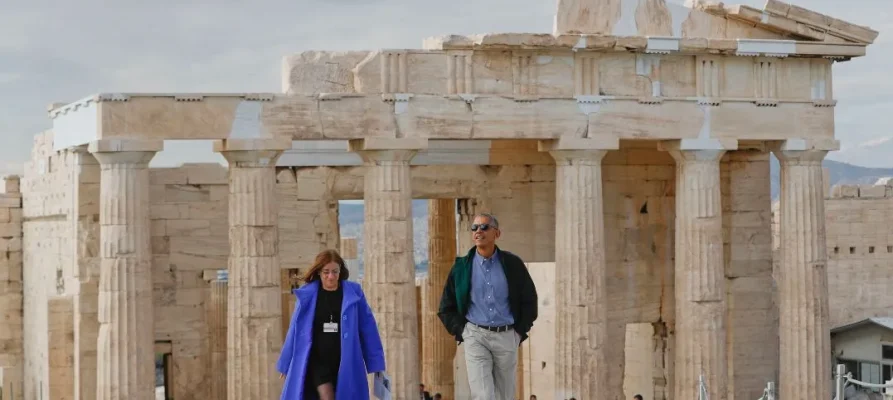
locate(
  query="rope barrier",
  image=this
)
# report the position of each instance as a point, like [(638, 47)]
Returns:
[(849, 379), (843, 378)]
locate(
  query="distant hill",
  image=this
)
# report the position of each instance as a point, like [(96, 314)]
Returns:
[(839, 173), (349, 213)]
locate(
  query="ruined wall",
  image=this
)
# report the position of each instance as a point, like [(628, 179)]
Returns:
[(860, 252), (11, 295), (48, 263), (61, 231), (752, 306), (190, 242), (639, 189)]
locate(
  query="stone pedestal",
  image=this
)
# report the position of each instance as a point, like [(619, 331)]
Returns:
[(700, 269), (804, 321), (438, 346), (254, 304), (125, 347), (389, 268), (580, 290)]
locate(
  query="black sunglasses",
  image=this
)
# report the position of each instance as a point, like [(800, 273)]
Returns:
[(482, 227)]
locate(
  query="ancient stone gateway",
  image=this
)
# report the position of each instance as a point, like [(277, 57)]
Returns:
[(626, 154)]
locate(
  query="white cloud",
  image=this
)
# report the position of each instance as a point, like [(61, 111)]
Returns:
[(54, 51)]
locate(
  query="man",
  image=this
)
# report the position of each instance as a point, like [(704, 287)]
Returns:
[(424, 394), (489, 303), (638, 397)]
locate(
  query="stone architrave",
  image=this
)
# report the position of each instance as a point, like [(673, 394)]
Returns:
[(126, 342), (254, 321), (804, 320), (700, 270), (580, 291), (438, 346), (389, 278)]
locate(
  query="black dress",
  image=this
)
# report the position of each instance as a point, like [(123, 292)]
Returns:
[(325, 352)]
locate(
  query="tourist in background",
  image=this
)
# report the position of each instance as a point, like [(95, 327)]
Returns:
[(489, 303), (330, 308)]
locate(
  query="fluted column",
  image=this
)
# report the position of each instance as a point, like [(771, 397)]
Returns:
[(438, 346), (466, 209), (804, 322), (389, 267), (126, 343), (700, 269), (217, 319), (580, 291), (254, 304)]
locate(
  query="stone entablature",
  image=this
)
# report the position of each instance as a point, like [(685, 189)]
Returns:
[(668, 67)]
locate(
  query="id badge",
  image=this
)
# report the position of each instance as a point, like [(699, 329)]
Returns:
[(330, 327)]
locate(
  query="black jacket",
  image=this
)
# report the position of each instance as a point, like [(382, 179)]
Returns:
[(456, 296)]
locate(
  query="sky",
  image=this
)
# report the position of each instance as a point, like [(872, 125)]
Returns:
[(58, 51)]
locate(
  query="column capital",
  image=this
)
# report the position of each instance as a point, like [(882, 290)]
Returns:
[(698, 149), (569, 150), (803, 150), (125, 151), (576, 144), (374, 150), (252, 152)]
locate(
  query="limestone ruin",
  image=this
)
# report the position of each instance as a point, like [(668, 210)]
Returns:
[(626, 154)]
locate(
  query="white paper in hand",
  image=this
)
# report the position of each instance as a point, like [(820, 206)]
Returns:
[(381, 386)]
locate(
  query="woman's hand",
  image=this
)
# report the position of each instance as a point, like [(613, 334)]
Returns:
[(281, 376)]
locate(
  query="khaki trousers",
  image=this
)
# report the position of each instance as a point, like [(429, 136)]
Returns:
[(492, 360)]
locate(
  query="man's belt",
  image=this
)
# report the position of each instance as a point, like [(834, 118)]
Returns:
[(494, 328)]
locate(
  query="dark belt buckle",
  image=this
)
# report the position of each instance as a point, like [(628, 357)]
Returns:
[(497, 329)]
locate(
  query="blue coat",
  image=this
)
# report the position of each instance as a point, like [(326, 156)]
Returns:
[(361, 349)]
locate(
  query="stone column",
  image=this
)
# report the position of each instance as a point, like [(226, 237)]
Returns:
[(580, 290), (438, 346), (389, 268), (217, 318), (254, 304), (700, 268), (126, 343), (804, 322), (466, 208), (349, 250)]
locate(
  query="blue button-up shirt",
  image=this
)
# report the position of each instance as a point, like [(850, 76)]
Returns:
[(489, 293)]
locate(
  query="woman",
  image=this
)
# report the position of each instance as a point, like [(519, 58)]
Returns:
[(333, 341)]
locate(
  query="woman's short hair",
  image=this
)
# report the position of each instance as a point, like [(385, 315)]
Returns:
[(322, 259)]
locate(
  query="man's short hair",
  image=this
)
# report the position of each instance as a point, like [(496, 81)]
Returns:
[(638, 397), (491, 217)]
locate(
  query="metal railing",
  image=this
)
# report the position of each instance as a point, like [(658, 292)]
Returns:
[(842, 378), (702, 388), (768, 392)]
